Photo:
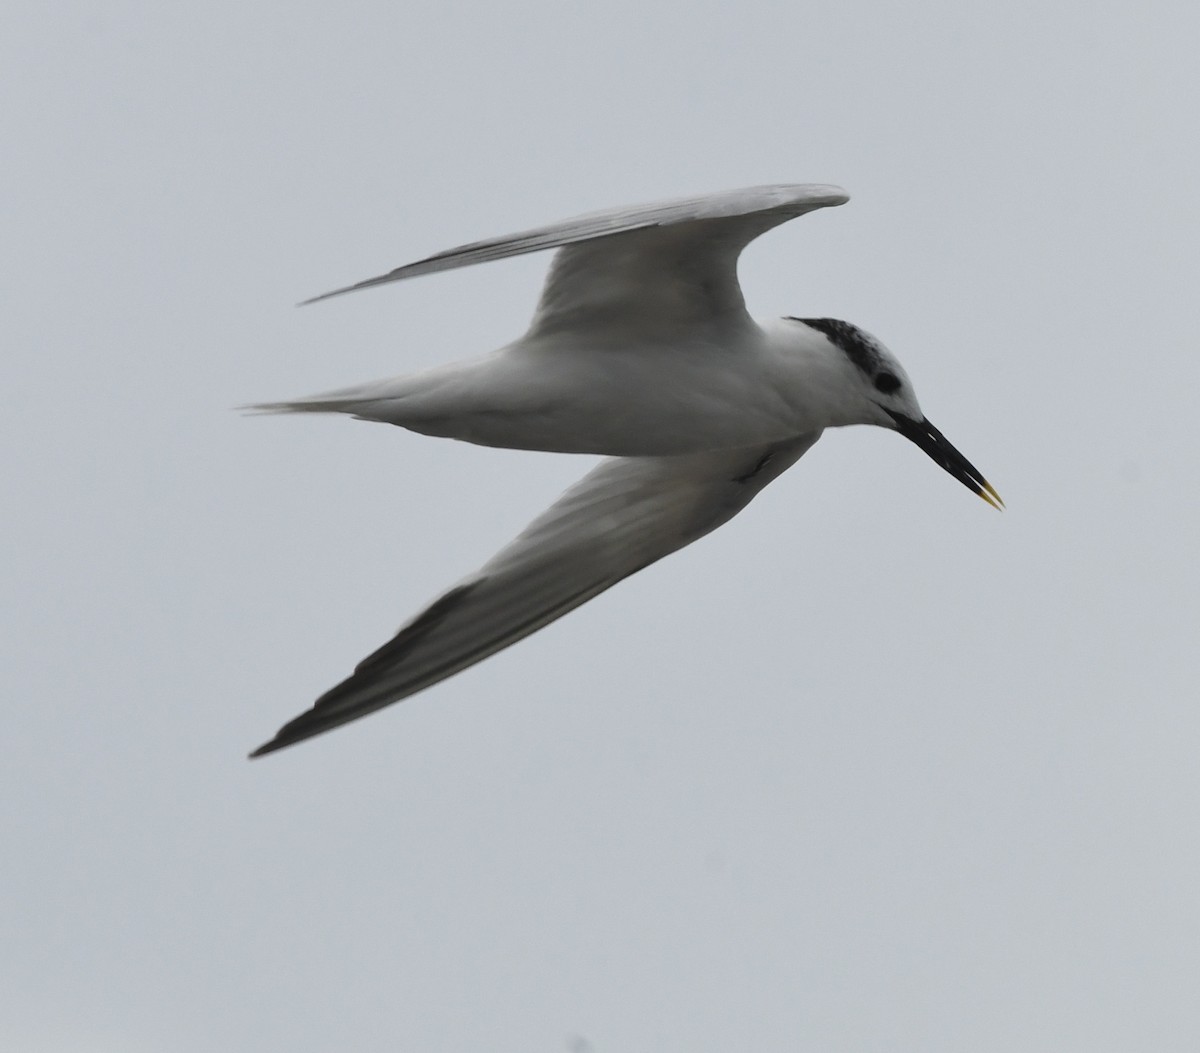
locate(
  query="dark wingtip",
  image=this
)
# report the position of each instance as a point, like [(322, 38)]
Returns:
[(294, 731), (323, 296), (368, 283), (324, 716)]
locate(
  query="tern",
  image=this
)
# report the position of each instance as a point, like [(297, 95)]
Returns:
[(640, 349)]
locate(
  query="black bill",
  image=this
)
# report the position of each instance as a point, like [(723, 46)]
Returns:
[(934, 443)]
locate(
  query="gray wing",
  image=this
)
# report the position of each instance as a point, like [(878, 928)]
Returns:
[(686, 247), (622, 516)]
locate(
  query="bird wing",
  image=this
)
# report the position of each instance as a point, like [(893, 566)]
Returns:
[(674, 260), (622, 516)]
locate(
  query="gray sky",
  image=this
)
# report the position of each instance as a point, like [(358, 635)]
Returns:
[(871, 768)]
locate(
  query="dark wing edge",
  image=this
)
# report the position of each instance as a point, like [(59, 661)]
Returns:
[(790, 199), (622, 516)]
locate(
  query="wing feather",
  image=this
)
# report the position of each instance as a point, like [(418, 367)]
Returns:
[(622, 516), (778, 202)]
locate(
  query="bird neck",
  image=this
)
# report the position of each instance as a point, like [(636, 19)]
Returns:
[(813, 376)]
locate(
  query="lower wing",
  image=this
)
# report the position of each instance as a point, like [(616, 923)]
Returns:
[(622, 516)]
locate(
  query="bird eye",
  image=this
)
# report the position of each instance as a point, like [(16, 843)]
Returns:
[(887, 383)]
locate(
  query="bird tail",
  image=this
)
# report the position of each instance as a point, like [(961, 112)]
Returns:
[(315, 404), (379, 400)]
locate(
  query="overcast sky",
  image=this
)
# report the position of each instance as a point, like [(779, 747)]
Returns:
[(873, 767)]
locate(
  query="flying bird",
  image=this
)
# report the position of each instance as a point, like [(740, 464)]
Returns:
[(640, 349)]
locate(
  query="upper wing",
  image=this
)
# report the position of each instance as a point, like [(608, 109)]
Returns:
[(622, 516), (677, 257)]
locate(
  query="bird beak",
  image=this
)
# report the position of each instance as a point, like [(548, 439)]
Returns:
[(934, 443)]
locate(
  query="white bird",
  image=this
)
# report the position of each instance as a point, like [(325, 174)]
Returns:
[(640, 348)]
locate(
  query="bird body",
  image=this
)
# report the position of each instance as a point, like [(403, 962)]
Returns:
[(762, 384), (641, 349)]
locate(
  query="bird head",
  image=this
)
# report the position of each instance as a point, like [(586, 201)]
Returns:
[(879, 392)]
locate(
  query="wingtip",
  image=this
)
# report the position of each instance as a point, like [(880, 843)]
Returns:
[(368, 283), (284, 737), (324, 296)]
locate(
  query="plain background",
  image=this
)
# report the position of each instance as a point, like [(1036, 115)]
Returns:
[(872, 768)]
